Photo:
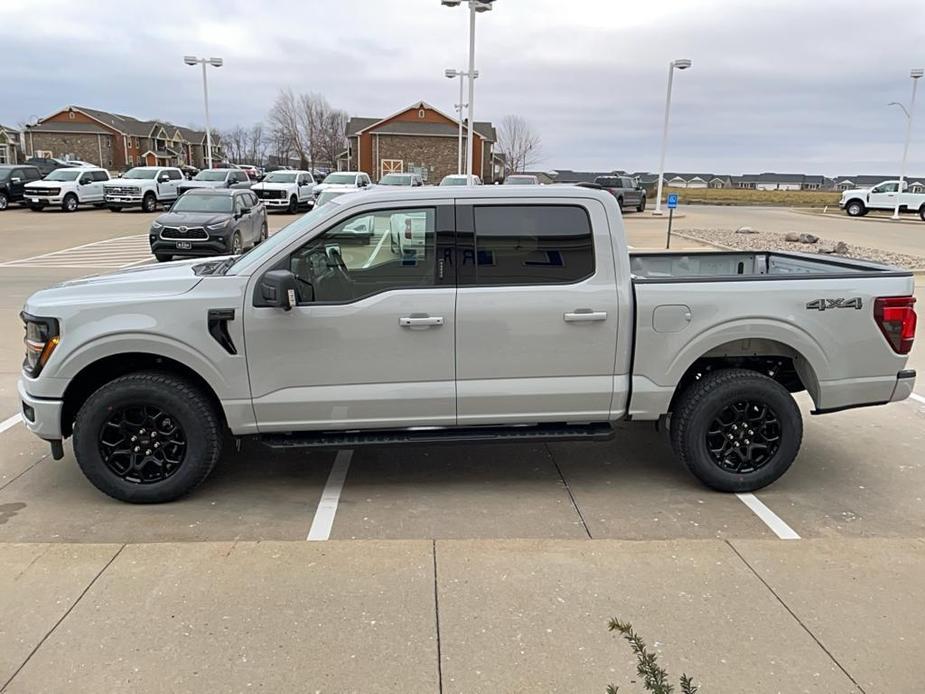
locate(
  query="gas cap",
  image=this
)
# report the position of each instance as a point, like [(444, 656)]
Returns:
[(671, 318)]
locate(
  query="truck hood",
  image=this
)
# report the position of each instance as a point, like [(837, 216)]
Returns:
[(193, 219), (134, 285), (273, 186), (855, 191), (48, 184)]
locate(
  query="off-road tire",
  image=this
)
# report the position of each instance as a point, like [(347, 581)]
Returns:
[(702, 402), (193, 411)]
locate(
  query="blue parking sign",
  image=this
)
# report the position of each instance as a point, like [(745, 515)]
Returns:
[(672, 201)]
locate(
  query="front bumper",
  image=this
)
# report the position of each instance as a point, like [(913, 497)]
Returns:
[(123, 199), (43, 199), (42, 416), (216, 245)]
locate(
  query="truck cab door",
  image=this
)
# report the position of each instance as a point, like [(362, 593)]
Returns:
[(883, 196), (536, 312), (370, 341)]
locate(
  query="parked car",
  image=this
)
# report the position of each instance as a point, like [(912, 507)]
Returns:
[(251, 171), (216, 178), (629, 194), (396, 179), (883, 196), (45, 164), (460, 180), (67, 188), (351, 179), (13, 180), (552, 330), (79, 163), (521, 180), (189, 171), (209, 221), (144, 187), (286, 190)]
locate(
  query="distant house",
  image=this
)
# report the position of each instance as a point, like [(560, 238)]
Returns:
[(689, 180), (916, 183), (417, 139), (10, 146), (116, 141)]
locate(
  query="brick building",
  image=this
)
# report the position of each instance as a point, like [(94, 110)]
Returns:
[(418, 139), (114, 141)]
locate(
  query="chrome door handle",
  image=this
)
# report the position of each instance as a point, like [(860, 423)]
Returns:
[(416, 320), (584, 315)]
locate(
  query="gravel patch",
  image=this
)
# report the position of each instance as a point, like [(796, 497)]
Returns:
[(772, 241)]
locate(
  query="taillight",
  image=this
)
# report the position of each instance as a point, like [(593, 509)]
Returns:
[(896, 317)]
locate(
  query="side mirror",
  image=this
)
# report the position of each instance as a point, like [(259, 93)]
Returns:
[(246, 210), (163, 179), (277, 288), (16, 179)]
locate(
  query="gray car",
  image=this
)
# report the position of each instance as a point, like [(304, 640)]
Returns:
[(629, 194), (207, 222)]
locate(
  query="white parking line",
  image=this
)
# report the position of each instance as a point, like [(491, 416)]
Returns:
[(918, 398), (10, 422), (771, 519), (111, 254), (330, 497)]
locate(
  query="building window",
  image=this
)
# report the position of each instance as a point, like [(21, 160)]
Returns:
[(388, 166), (422, 113), (3, 155), (71, 115)]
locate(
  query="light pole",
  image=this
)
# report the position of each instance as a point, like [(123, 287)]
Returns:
[(474, 6), (450, 73), (681, 64), (214, 62), (915, 74)]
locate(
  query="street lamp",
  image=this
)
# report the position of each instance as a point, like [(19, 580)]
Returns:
[(915, 74), (474, 6), (214, 62), (681, 64), (450, 73)]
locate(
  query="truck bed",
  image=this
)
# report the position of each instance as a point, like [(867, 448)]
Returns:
[(702, 266)]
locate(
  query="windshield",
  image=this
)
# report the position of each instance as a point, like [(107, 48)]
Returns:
[(202, 203), (282, 238), (453, 181), (520, 181), (140, 173), (280, 177), (395, 180), (63, 175), (328, 195), (210, 176), (349, 179)]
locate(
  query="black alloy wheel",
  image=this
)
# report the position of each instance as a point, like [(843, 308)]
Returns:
[(744, 436), (142, 444)]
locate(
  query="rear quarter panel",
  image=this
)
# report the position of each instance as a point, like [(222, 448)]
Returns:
[(840, 353)]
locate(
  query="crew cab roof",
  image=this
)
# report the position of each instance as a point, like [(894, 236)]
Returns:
[(398, 194)]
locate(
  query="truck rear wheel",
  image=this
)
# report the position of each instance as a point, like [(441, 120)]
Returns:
[(641, 207), (736, 430), (147, 437), (855, 208)]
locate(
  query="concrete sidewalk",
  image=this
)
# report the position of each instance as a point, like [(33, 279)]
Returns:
[(827, 615)]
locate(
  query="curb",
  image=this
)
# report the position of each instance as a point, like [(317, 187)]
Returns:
[(916, 272), (909, 220)]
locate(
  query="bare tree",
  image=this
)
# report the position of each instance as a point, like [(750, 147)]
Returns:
[(519, 144), (287, 122), (307, 125)]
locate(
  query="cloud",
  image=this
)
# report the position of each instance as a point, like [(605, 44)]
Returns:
[(788, 85)]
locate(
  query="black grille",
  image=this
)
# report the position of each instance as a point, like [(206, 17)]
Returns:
[(184, 233), (51, 192), (270, 194)]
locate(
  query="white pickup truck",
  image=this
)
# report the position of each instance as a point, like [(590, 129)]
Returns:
[(67, 188), (883, 196), (520, 315), (144, 187), (286, 190)]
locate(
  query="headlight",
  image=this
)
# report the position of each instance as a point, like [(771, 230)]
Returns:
[(216, 227), (156, 225), (42, 337)]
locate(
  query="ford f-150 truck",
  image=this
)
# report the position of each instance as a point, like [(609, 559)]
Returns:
[(519, 315)]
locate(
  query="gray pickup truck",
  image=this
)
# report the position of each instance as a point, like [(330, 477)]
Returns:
[(503, 314), (626, 190)]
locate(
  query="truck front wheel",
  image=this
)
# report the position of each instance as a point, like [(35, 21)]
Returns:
[(70, 203), (149, 202), (855, 208), (922, 212), (736, 430), (147, 437)]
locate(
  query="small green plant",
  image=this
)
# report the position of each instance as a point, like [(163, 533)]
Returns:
[(654, 676)]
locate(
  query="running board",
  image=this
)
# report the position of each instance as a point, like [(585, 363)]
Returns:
[(600, 431)]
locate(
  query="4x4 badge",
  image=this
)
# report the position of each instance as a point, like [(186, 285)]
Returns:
[(825, 304)]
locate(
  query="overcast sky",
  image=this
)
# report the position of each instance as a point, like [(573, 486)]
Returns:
[(787, 85)]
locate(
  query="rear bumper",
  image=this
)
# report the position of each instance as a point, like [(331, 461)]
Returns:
[(894, 390), (42, 416), (905, 383)]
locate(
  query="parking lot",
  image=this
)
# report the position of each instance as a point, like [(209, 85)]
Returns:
[(463, 568)]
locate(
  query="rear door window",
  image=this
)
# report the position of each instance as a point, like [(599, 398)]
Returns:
[(532, 244)]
